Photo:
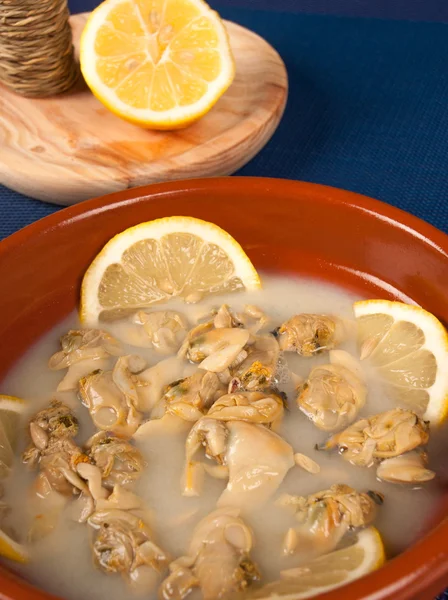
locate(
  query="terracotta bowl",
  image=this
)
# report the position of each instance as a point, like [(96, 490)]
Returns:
[(284, 226)]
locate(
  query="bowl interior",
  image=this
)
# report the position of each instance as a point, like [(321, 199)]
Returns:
[(286, 227)]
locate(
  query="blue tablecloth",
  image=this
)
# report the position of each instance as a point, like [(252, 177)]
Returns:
[(368, 101)]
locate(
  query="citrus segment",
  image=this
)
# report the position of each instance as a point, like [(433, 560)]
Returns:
[(329, 571), (11, 409), (11, 549), (409, 349)]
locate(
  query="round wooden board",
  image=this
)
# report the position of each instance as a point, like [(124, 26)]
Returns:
[(70, 148)]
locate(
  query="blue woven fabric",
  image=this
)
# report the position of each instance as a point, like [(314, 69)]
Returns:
[(417, 10)]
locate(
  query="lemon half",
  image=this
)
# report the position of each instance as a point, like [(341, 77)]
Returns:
[(157, 63)]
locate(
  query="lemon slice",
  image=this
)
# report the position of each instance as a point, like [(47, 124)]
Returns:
[(409, 349), (11, 409), (157, 63), (154, 261), (11, 549), (329, 571)]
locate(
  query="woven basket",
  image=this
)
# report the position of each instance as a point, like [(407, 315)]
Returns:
[(36, 50)]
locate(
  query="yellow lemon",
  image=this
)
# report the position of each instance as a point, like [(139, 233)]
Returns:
[(330, 571), (11, 409), (11, 549), (157, 63)]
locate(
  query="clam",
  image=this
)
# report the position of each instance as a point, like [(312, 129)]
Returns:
[(217, 349), (407, 468), (325, 517), (191, 397), (251, 318), (253, 407), (255, 459), (258, 369), (218, 560), (111, 397), (385, 435), (123, 543), (165, 330), (331, 396), (82, 344), (55, 453), (308, 334), (117, 459)]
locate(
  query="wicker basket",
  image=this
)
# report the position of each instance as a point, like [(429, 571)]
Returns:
[(36, 50)]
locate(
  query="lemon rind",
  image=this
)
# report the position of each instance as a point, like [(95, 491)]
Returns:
[(12, 403), (11, 549)]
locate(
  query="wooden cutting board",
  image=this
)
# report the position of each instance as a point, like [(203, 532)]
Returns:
[(70, 148)]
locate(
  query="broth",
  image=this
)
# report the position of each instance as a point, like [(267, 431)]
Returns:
[(62, 563)]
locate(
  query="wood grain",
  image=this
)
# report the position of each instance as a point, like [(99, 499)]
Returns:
[(70, 148)]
